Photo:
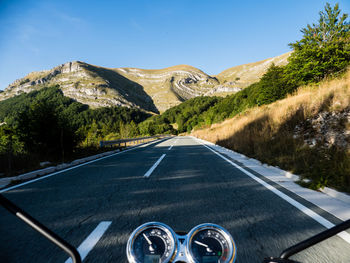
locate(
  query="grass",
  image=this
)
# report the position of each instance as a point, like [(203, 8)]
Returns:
[(267, 133)]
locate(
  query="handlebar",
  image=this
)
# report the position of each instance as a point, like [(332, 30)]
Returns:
[(32, 222), (74, 254)]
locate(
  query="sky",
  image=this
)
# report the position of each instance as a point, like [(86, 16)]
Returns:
[(151, 34)]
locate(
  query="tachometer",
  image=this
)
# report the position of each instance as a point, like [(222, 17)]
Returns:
[(152, 242), (210, 243)]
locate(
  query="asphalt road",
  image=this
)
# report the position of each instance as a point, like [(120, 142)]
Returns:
[(191, 185)]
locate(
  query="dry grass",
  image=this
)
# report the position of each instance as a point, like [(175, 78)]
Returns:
[(267, 133), (308, 101)]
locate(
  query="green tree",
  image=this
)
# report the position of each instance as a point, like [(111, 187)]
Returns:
[(272, 86), (10, 147), (323, 50), (46, 130)]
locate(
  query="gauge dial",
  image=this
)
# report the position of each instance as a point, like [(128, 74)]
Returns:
[(151, 242), (209, 243)]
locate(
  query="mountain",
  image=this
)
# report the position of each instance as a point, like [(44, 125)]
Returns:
[(88, 84), (244, 75), (170, 86), (151, 90)]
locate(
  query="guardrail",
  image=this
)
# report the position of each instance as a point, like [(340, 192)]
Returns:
[(131, 140)]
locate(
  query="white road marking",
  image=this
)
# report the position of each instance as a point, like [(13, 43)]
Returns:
[(71, 168), (89, 243), (150, 171), (344, 235), (171, 146)]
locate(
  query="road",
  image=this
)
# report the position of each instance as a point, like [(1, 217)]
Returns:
[(189, 186)]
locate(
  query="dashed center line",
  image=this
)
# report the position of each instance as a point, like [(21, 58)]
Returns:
[(171, 146), (89, 243), (150, 171)]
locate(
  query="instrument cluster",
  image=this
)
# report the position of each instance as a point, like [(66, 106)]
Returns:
[(156, 242)]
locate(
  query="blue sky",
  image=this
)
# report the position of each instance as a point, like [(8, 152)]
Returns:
[(151, 34)]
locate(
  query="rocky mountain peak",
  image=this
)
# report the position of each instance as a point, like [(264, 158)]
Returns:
[(153, 90)]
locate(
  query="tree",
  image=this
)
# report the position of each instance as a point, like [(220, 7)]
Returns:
[(10, 145), (93, 135), (272, 86), (46, 130), (323, 50)]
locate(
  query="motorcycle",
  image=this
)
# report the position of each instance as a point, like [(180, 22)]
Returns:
[(155, 242)]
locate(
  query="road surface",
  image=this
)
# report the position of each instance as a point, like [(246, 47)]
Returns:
[(185, 184)]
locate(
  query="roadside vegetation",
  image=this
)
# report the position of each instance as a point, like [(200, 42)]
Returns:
[(45, 125), (293, 132), (271, 134)]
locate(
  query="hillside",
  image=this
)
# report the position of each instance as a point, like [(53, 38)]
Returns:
[(244, 75), (307, 133), (150, 90), (170, 86), (88, 84)]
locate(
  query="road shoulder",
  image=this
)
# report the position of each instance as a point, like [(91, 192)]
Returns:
[(336, 207)]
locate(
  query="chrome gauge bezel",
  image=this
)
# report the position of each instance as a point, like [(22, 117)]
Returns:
[(155, 225), (181, 250), (208, 226)]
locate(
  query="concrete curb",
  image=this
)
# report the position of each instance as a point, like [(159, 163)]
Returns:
[(338, 195), (31, 175), (284, 173)]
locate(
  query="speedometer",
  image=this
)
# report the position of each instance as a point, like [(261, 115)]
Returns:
[(157, 243), (152, 242), (210, 243)]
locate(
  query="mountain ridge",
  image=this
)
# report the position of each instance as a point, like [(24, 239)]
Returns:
[(153, 90)]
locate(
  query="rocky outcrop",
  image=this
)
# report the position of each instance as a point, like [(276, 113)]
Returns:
[(151, 90), (169, 87), (45, 76), (228, 87), (82, 82), (326, 129)]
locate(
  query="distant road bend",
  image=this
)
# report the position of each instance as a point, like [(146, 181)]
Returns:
[(178, 181)]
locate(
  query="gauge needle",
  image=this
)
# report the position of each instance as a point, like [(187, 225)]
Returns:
[(147, 239), (204, 245), (149, 242)]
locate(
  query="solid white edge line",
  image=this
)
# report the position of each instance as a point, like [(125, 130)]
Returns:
[(150, 171), (344, 235), (89, 243), (70, 168)]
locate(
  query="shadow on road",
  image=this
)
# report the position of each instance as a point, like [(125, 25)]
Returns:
[(190, 186)]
